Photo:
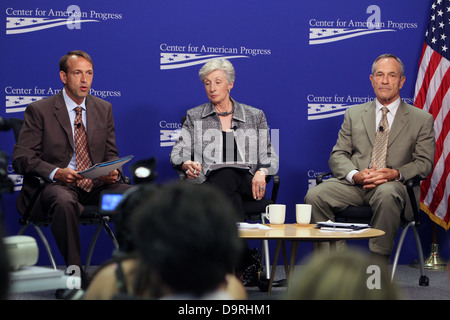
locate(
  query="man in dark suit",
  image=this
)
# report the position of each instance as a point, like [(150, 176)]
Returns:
[(357, 181), (46, 148)]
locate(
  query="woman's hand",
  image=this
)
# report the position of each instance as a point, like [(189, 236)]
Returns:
[(191, 169), (259, 185)]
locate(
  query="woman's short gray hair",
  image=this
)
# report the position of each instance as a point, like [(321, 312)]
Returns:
[(218, 64)]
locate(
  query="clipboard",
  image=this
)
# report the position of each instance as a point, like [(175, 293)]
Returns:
[(104, 168), (236, 165), (341, 226)]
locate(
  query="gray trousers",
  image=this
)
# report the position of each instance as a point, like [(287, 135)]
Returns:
[(386, 200)]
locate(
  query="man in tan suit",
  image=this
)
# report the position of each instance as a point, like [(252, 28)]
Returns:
[(410, 153), (46, 148)]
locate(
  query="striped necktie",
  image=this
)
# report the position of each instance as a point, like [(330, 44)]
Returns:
[(381, 140), (82, 151)]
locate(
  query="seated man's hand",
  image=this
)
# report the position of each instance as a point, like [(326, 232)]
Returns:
[(361, 176), (376, 177), (67, 176), (112, 177)]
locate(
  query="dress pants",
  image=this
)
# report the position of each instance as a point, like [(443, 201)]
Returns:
[(236, 184), (386, 200), (64, 204)]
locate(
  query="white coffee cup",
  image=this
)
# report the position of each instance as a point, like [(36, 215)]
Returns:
[(276, 213), (303, 213)]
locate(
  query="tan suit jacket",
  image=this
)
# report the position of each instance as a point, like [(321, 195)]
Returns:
[(46, 140), (411, 143), (410, 150)]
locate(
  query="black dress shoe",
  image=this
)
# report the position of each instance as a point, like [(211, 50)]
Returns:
[(69, 294), (86, 279), (59, 294)]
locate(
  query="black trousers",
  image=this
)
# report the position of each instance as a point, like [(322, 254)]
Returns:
[(236, 184)]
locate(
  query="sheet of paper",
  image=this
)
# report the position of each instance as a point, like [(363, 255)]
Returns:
[(104, 168), (245, 225)]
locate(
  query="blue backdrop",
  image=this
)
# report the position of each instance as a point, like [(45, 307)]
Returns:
[(302, 62)]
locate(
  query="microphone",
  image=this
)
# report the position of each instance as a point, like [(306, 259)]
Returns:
[(381, 128), (234, 127), (78, 125)]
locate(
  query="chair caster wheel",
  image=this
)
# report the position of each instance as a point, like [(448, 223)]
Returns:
[(424, 281)]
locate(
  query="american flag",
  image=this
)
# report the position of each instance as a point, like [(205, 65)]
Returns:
[(432, 94)]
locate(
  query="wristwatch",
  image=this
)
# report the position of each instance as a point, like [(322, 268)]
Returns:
[(264, 170)]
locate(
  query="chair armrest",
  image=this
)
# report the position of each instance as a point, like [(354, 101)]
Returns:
[(413, 182), (126, 179), (40, 183), (181, 174), (276, 187), (319, 178), (410, 185)]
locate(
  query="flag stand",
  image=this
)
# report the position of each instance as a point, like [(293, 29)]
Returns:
[(433, 262)]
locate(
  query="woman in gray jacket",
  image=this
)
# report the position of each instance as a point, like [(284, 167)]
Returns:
[(224, 142)]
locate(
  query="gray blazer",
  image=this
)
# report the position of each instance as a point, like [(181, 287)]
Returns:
[(411, 143), (201, 139)]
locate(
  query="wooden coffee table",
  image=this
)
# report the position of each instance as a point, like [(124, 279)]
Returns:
[(297, 233)]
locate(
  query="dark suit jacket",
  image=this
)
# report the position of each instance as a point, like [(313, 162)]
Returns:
[(46, 139)]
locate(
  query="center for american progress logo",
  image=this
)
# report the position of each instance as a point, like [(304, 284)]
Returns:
[(29, 20), (176, 56), (325, 32), (322, 31), (25, 20)]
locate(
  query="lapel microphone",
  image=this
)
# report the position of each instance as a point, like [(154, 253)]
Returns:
[(381, 128), (78, 125)]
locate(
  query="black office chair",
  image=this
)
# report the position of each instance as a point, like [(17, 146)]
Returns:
[(89, 216), (363, 214), (253, 211)]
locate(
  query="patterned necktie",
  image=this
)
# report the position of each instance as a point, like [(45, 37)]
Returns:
[(82, 151), (380, 147)]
